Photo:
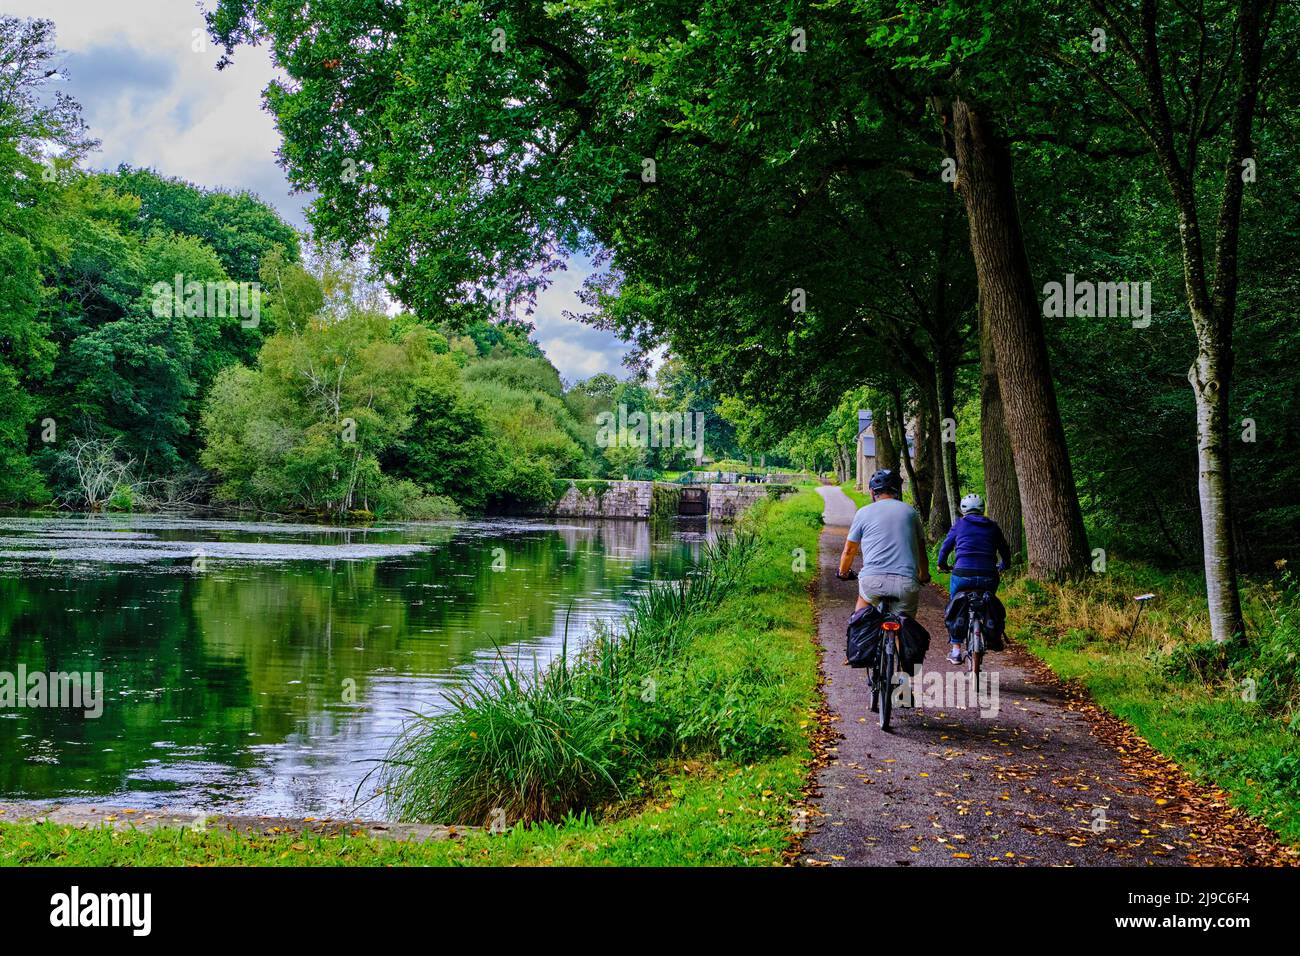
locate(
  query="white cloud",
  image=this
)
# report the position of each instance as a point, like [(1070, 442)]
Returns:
[(577, 350), (153, 100)]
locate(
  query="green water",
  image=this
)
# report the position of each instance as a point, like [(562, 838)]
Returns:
[(264, 668)]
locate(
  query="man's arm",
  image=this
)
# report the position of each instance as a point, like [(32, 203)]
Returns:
[(851, 551)]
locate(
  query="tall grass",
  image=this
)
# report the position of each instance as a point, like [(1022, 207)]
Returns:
[(541, 744), (1173, 633)]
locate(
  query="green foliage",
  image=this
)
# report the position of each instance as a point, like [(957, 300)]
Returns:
[(400, 498), (1201, 662), (1266, 669), (241, 229), (529, 419), (31, 122), (517, 373), (503, 339), (590, 486), (122, 499), (132, 363), (307, 428), (449, 447)]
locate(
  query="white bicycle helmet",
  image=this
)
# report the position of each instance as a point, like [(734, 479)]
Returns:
[(972, 504)]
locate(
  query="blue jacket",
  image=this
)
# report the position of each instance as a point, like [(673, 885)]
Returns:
[(979, 543)]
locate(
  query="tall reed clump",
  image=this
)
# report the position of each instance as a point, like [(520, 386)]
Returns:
[(536, 743)]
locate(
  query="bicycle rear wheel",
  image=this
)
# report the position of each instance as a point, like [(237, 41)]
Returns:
[(885, 689), (975, 652)]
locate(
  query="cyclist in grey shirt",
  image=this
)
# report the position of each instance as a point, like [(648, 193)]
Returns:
[(888, 535)]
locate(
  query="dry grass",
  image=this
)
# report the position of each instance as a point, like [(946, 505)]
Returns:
[(1101, 608)]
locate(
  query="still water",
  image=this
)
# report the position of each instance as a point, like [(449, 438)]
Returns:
[(264, 667)]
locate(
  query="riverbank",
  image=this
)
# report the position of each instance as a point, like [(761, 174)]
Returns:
[(755, 657)]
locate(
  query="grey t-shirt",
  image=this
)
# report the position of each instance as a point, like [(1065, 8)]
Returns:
[(889, 533)]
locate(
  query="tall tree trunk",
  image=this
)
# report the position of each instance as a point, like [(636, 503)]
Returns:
[(923, 462), (1001, 491), (899, 422), (1212, 314), (940, 519), (1210, 376), (1057, 545), (946, 389), (886, 451)]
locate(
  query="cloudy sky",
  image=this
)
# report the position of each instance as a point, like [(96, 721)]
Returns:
[(144, 73)]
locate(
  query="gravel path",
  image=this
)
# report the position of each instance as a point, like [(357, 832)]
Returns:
[(1036, 776)]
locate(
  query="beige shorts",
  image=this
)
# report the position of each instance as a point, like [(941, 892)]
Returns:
[(903, 592)]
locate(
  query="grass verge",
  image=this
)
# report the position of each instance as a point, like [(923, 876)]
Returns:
[(705, 772), (1229, 717)]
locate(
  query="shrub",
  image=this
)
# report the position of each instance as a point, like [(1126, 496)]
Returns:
[(399, 498), (1202, 661), (122, 498)]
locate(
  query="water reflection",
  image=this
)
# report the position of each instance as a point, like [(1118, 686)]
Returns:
[(263, 667)]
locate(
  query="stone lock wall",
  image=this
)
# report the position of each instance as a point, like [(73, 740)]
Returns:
[(642, 499), (727, 502), (606, 499)]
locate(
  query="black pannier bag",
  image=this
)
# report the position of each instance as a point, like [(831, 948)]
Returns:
[(864, 635), (992, 615), (914, 642), (863, 639)]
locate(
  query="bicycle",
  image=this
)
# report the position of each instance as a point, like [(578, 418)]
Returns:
[(977, 600), (975, 643), (880, 678), (882, 672)]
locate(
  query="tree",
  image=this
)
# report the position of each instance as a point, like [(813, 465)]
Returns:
[(1056, 543), (307, 429), (99, 471), (239, 227), (449, 448), (41, 135), (1001, 486), (1179, 130)]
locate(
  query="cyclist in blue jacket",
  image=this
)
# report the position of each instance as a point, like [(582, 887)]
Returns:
[(981, 550)]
